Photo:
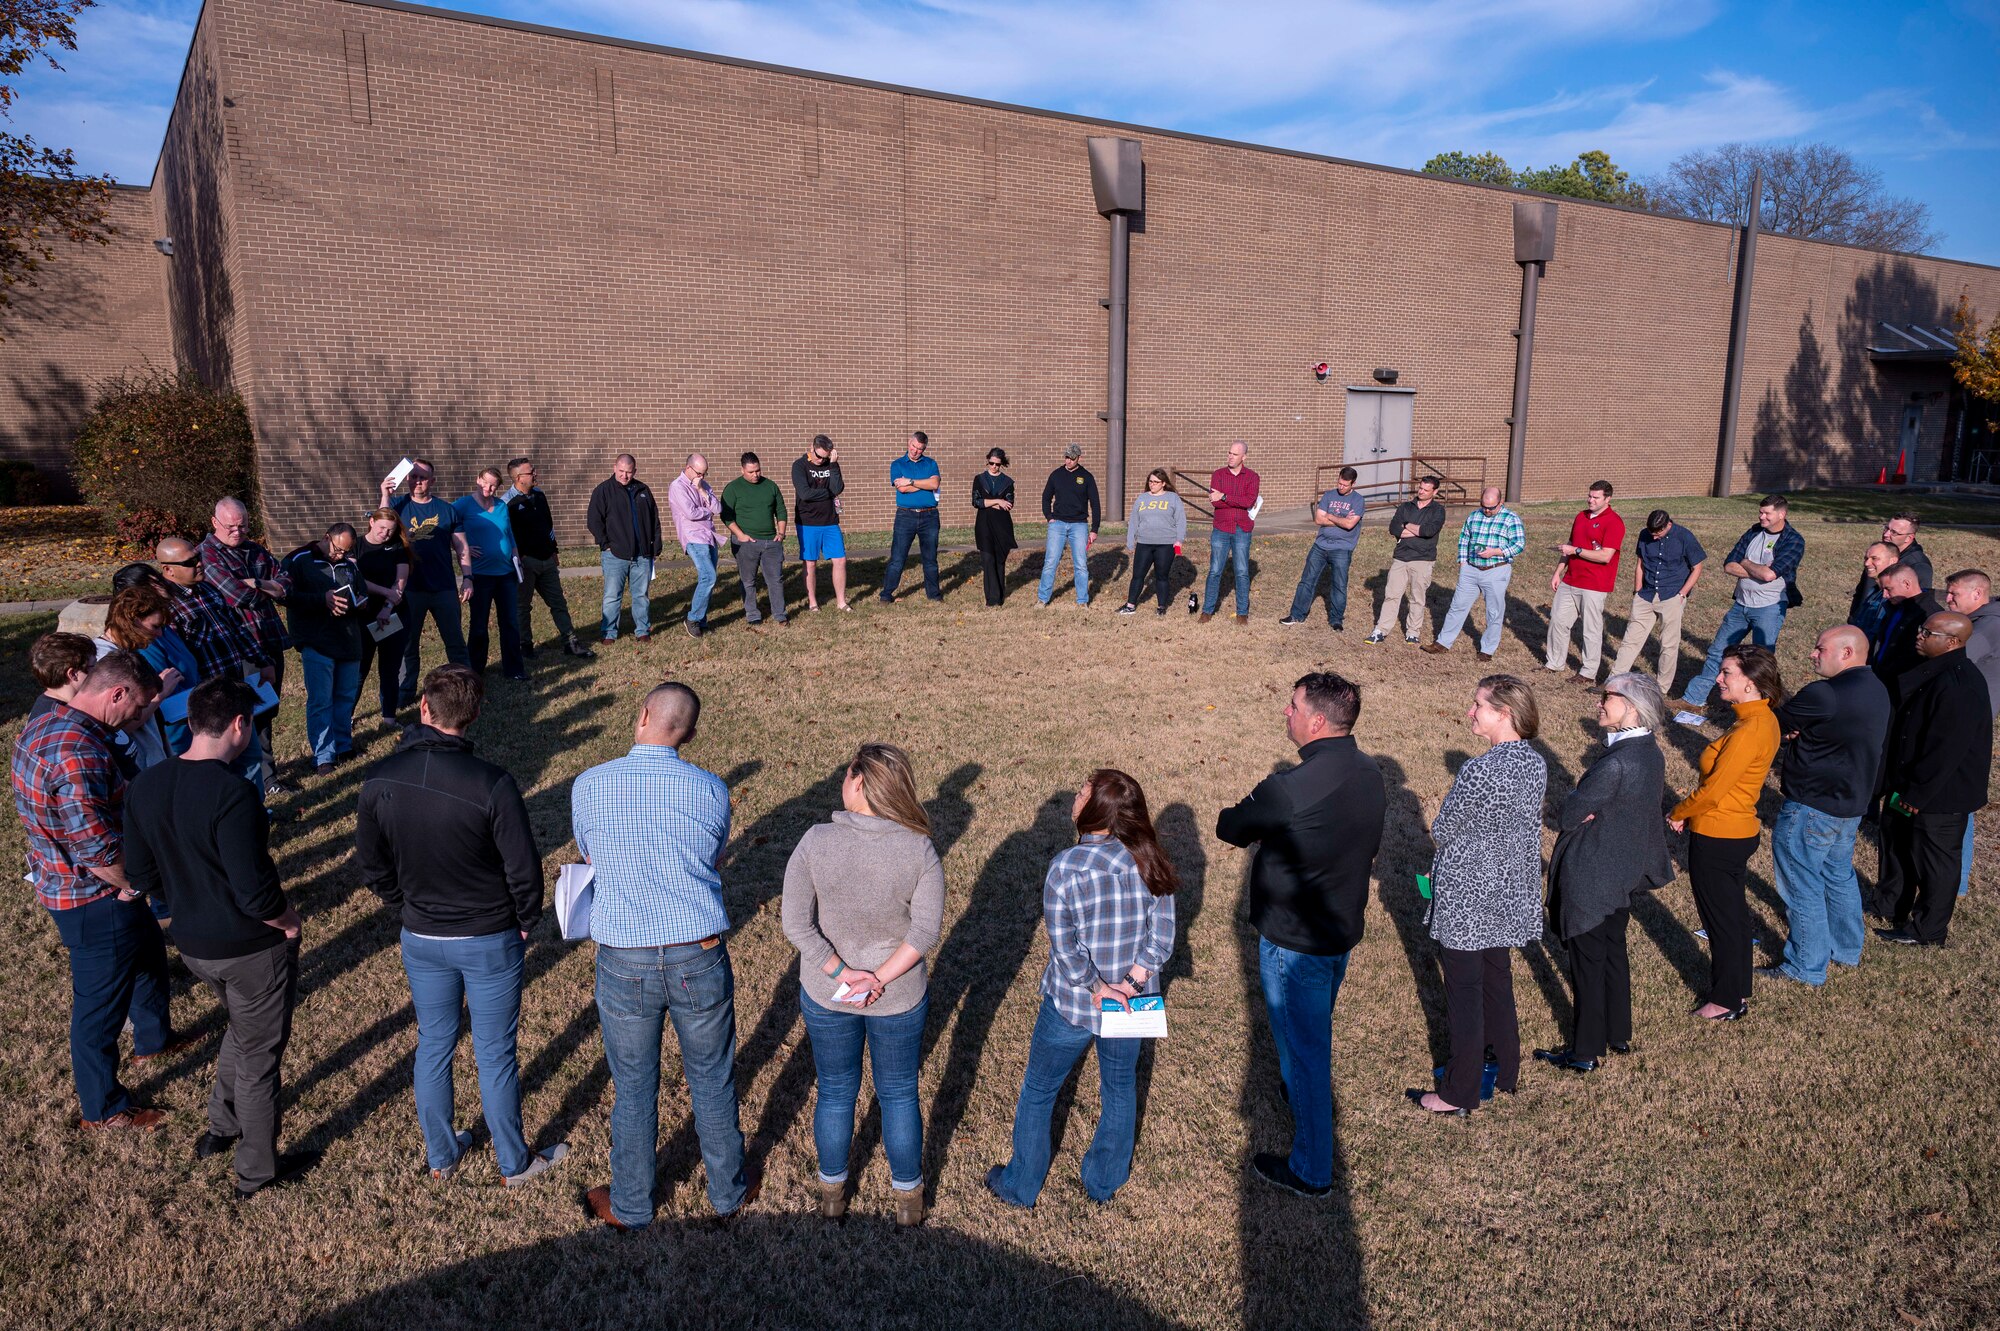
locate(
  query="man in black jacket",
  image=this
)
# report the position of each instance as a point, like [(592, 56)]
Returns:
[(325, 608), (196, 838), (1069, 502), (442, 834), (534, 530), (1318, 826), (1905, 608), (1939, 762), (625, 523)]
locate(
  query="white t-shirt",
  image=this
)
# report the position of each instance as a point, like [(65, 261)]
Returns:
[(1750, 593)]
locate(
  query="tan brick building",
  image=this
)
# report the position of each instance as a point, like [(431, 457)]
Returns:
[(403, 230)]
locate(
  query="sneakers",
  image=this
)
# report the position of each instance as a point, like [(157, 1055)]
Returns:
[(1277, 1171), (1375, 640), (541, 1164), (1412, 639), (694, 630), (1290, 621), (1161, 611), (464, 1145), (1128, 609), (573, 647)]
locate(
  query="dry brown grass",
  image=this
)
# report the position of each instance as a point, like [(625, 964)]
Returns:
[(1830, 1162)]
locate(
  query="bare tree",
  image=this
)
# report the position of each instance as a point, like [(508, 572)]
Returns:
[(1813, 190)]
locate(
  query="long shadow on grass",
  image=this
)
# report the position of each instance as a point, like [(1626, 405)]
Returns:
[(1180, 837), (1406, 852), (1288, 1243), (763, 1270)]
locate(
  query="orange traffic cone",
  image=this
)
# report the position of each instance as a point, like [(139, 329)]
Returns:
[(1901, 475), (1883, 479)]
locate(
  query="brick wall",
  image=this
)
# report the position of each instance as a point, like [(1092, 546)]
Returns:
[(449, 236), (94, 312)]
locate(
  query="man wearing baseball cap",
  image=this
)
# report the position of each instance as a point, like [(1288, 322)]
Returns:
[(1666, 565), (1069, 502)]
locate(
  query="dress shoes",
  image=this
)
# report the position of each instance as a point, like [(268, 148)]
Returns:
[(1621, 1049), (598, 1199), (211, 1144), (179, 1044), (1566, 1060), (1276, 1170), (127, 1120), (292, 1166)]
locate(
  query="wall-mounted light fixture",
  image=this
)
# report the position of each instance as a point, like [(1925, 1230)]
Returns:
[(1386, 376), (165, 245)]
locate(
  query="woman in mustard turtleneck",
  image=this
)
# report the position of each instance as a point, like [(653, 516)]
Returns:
[(1722, 825)]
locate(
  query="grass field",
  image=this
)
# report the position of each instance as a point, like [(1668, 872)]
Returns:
[(1831, 1162)]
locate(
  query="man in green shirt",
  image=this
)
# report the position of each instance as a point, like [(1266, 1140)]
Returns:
[(753, 508)]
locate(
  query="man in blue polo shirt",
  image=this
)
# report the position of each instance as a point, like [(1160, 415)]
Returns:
[(1666, 566), (916, 480)]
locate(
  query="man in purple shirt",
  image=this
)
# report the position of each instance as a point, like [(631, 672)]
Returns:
[(694, 507)]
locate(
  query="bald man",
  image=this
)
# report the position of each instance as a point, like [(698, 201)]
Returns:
[(1940, 759), (652, 826), (1488, 544), (252, 582), (1836, 726), (1865, 609), (1905, 607), (695, 509)]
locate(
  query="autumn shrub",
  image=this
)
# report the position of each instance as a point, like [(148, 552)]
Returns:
[(158, 449)]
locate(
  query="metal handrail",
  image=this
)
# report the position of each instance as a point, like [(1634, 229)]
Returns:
[(1453, 472)]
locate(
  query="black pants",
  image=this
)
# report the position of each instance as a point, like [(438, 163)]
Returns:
[(1717, 867), (258, 992), (1159, 560), (1920, 870), (993, 563), (1600, 974), (387, 655), (1479, 1010), (498, 593)]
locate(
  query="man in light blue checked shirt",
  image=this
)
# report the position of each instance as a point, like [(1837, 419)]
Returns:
[(1489, 543), (652, 827)]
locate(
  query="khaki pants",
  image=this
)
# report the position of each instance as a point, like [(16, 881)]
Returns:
[(1569, 603), (1667, 610), (1409, 578)]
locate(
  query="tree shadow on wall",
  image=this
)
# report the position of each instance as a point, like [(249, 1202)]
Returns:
[(51, 404), (1836, 416)]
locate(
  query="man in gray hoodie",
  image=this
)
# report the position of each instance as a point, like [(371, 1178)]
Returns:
[(1970, 593)]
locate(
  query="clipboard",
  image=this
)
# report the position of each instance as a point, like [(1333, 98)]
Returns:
[(574, 894)]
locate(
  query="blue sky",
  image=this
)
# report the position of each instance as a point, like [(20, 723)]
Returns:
[(1908, 87)]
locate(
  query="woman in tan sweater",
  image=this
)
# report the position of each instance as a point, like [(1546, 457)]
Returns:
[(1722, 824)]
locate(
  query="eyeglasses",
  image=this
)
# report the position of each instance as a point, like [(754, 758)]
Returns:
[(1936, 633), (180, 563)]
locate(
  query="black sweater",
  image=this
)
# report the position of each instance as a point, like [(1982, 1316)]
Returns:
[(1071, 496), (313, 574), (534, 526), (443, 834), (1941, 738), (1319, 825), (195, 836), (1842, 724)]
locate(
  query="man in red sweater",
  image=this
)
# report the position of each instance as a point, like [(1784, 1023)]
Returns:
[(1586, 575), (1232, 491)]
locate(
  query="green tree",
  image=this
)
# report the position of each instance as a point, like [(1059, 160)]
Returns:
[(42, 198), (1593, 175), (1485, 168)]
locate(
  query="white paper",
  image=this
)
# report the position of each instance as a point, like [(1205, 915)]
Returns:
[(520, 575), (847, 993), (379, 629), (573, 897), (401, 472), (1145, 1020), (1691, 718), (1256, 508)]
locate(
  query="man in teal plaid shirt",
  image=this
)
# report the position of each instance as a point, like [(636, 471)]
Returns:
[(1488, 544)]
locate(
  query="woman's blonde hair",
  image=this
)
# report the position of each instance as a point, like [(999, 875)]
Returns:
[(889, 786), (1512, 695), (391, 515)]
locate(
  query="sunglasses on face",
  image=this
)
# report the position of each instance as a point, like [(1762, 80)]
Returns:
[(180, 563)]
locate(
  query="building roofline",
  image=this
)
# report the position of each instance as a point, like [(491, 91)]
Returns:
[(655, 48)]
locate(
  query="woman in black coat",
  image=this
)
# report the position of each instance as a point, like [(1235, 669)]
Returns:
[(993, 523), (1610, 845)]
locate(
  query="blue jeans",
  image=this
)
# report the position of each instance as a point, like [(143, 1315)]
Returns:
[(1076, 535), (1319, 561), (1759, 624), (1813, 853), (1226, 548), (332, 689), (1052, 1052), (1298, 994), (484, 975), (638, 988), (617, 574), (442, 607), (703, 558), (117, 968), (1478, 584), (896, 1052), (921, 525)]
